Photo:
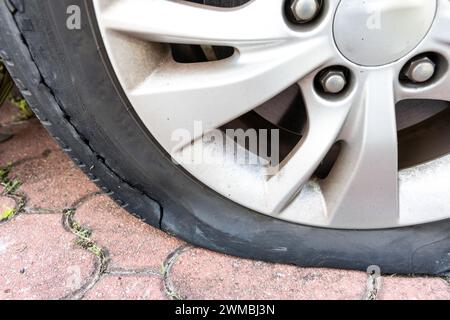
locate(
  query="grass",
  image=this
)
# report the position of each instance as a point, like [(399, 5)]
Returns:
[(10, 185), (4, 172), (6, 84), (7, 92), (21, 104), (7, 214)]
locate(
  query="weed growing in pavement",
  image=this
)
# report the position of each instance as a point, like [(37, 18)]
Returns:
[(10, 186), (21, 104), (4, 172), (446, 279), (7, 214), (84, 237)]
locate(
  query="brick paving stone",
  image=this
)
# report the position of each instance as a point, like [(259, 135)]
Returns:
[(39, 259), (127, 288), (30, 140), (414, 288), (131, 243), (8, 114), (201, 274), (53, 181)]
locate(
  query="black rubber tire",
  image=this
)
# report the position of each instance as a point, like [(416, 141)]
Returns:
[(66, 78)]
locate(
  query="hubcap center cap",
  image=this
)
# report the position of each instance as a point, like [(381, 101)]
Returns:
[(378, 32)]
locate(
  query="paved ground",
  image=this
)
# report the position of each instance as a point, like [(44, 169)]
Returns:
[(67, 240)]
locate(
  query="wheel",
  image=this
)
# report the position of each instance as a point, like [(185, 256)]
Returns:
[(305, 132)]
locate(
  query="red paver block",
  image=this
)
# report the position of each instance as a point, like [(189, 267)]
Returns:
[(130, 242), (39, 260), (30, 140), (127, 288), (201, 274), (411, 288), (8, 114), (53, 181)]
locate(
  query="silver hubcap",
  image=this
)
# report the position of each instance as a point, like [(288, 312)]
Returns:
[(365, 188), (378, 32)]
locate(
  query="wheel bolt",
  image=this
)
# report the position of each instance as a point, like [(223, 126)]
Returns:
[(333, 81), (305, 10), (420, 70)]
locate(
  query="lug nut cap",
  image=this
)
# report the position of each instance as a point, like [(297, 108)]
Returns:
[(333, 81), (305, 10), (420, 70)]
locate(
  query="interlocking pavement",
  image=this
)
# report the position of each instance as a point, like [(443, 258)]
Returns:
[(61, 238)]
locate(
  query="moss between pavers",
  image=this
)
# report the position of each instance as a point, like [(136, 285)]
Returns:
[(10, 187)]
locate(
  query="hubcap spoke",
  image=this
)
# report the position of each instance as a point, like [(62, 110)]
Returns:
[(178, 95), (182, 22), (437, 90), (325, 123), (438, 40), (363, 185), (362, 188), (441, 26)]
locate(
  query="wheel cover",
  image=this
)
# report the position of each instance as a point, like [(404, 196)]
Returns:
[(365, 189), (381, 32)]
